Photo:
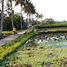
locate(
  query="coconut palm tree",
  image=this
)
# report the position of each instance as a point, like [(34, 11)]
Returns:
[(1, 22), (11, 13), (22, 3), (33, 11), (39, 16), (2, 15), (27, 10), (30, 10)]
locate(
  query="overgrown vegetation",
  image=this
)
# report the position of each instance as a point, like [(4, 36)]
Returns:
[(38, 56), (33, 55), (56, 25), (7, 33), (16, 18), (12, 46)]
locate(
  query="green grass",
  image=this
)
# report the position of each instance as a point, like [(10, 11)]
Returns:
[(38, 56), (7, 33), (12, 46), (51, 25), (58, 27), (57, 24)]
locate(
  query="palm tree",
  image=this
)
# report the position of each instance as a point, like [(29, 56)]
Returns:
[(22, 3), (9, 4), (39, 15), (33, 11), (2, 15), (29, 9), (1, 23)]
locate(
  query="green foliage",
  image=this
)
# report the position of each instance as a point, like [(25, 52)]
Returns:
[(58, 27), (49, 21), (7, 33), (51, 25), (12, 46), (7, 25), (38, 56)]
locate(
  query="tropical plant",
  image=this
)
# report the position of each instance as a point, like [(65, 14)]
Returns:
[(7, 25), (39, 15), (10, 11), (2, 17), (22, 3), (49, 21), (30, 10), (33, 11)]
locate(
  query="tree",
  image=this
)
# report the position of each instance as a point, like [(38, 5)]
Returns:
[(27, 10), (50, 21), (7, 24), (1, 22), (11, 13), (17, 22), (16, 18), (33, 11), (22, 3), (39, 15), (30, 10)]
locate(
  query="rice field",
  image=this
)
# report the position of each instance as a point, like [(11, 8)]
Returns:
[(37, 55)]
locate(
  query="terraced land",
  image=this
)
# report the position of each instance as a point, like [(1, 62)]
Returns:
[(32, 54)]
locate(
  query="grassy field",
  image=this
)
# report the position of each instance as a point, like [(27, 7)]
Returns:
[(39, 56), (56, 25), (7, 33), (12, 46), (55, 29), (33, 56)]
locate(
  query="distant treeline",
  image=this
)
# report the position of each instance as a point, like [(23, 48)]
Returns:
[(7, 24)]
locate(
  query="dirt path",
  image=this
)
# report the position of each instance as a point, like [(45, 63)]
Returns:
[(10, 38)]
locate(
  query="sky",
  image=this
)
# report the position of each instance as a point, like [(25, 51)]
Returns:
[(56, 9)]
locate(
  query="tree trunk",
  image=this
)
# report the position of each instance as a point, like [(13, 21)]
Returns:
[(32, 24), (12, 16), (28, 29), (28, 19), (1, 24), (21, 17)]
